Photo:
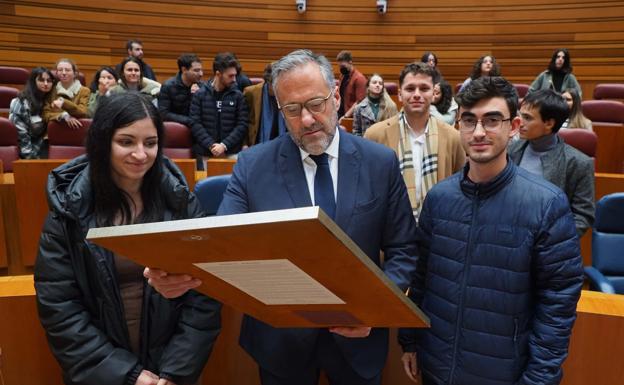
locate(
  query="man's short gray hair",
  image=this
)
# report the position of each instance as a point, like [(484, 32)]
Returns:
[(298, 58)]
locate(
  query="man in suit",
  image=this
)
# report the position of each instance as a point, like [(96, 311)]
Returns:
[(357, 183)]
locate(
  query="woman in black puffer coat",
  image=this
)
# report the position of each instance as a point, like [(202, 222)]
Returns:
[(104, 324)]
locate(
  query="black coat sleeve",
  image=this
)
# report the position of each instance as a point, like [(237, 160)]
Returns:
[(84, 352)]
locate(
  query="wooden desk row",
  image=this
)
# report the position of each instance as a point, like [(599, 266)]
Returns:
[(26, 359), (23, 207)]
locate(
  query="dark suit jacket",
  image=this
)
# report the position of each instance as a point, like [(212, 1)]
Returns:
[(372, 208), (571, 171)]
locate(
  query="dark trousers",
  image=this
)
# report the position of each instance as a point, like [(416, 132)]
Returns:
[(327, 358)]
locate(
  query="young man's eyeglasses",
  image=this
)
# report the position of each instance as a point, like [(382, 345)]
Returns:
[(469, 123), (314, 106)]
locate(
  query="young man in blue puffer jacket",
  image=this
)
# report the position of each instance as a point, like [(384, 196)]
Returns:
[(500, 270)]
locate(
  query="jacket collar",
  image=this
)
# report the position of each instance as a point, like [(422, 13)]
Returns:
[(551, 160), (487, 189)]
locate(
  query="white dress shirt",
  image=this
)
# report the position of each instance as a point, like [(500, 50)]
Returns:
[(418, 143), (309, 166)]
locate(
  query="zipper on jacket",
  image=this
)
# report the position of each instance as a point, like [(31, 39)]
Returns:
[(460, 309)]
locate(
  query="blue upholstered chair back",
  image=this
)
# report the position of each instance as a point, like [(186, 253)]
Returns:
[(210, 192), (608, 240)]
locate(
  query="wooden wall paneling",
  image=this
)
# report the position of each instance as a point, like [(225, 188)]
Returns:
[(596, 341), (219, 166), (521, 34), (9, 216), (187, 166), (32, 206), (609, 154), (26, 358), (4, 262)]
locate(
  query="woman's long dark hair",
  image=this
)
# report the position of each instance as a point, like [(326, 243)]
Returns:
[(567, 62), (447, 96), (425, 57), (36, 98), (476, 68), (96, 79), (122, 75), (115, 112)]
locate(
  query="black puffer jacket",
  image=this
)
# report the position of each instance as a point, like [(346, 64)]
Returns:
[(79, 302), (234, 120), (174, 101)]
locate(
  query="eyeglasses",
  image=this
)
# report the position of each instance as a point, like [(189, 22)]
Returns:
[(314, 106), (468, 124)]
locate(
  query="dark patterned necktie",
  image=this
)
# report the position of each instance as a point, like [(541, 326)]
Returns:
[(323, 185)]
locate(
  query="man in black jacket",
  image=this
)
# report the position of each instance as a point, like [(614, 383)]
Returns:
[(135, 49), (174, 100), (218, 113)]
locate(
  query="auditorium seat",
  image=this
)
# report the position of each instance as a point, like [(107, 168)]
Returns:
[(210, 192), (6, 95), (347, 124), (610, 112), (65, 142), (256, 80), (581, 139), (609, 91), (457, 87), (9, 150), (178, 141), (522, 89), (13, 75), (392, 88), (607, 271)]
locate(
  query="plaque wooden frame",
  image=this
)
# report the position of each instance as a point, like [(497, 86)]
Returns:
[(307, 237)]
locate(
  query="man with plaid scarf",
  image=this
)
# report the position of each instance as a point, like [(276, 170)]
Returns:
[(428, 149)]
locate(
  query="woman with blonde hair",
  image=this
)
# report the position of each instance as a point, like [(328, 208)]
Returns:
[(576, 119), (376, 106), (69, 99)]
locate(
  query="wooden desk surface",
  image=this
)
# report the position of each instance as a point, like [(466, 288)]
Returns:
[(596, 339), (17, 286), (594, 302)]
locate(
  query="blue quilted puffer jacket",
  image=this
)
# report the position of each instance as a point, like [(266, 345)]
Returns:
[(499, 276)]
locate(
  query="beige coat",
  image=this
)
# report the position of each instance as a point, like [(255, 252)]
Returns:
[(253, 96), (76, 106), (451, 155)]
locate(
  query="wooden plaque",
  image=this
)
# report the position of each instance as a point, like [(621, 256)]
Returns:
[(288, 268)]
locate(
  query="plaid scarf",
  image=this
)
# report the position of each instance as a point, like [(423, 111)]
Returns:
[(429, 162)]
